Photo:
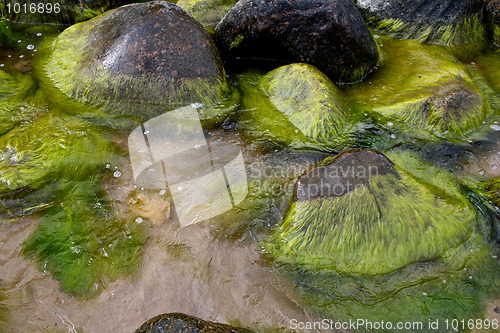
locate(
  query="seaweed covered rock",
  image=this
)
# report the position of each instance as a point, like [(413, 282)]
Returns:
[(330, 35), (140, 61), (422, 87), (365, 238), (354, 211), (56, 12), (29, 160), (178, 322), (80, 242), (296, 105), (448, 22), (207, 12)]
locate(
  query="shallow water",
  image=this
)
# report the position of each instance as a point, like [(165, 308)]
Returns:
[(215, 269)]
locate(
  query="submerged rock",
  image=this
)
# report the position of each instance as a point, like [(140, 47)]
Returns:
[(367, 210), (448, 22), (330, 35), (296, 105), (366, 238), (207, 12), (420, 86), (140, 61), (178, 322)]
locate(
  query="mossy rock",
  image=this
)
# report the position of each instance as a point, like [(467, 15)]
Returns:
[(66, 12), (207, 12), (365, 238), (424, 87), (296, 105), (80, 243), (140, 61), (30, 158), (354, 211), (448, 22), (181, 323), (9, 85), (330, 35)]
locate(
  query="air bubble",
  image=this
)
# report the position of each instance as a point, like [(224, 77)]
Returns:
[(39, 34), (30, 47), (481, 172), (495, 127), (393, 136), (139, 220), (117, 174), (162, 192)]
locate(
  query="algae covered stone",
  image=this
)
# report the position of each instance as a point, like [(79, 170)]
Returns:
[(358, 213), (448, 22), (330, 35), (207, 12), (365, 238), (296, 105), (179, 322), (139, 61), (422, 87)]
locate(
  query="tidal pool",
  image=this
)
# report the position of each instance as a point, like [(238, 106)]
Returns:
[(84, 249)]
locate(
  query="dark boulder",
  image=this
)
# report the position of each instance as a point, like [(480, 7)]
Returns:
[(446, 22), (139, 60), (181, 323), (493, 10), (330, 35)]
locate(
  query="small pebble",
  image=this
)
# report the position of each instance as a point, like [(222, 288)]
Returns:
[(117, 174)]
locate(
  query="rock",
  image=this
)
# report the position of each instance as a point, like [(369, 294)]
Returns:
[(296, 105), (330, 35), (393, 231), (493, 10), (181, 323), (354, 211), (422, 88), (140, 61), (31, 159), (448, 22), (207, 12), (57, 12)]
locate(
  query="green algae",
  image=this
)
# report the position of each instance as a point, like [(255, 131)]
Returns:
[(296, 105), (29, 159), (422, 87), (465, 31), (81, 244), (207, 12)]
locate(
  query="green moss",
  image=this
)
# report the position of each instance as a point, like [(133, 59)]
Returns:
[(422, 87), (81, 244), (296, 105)]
